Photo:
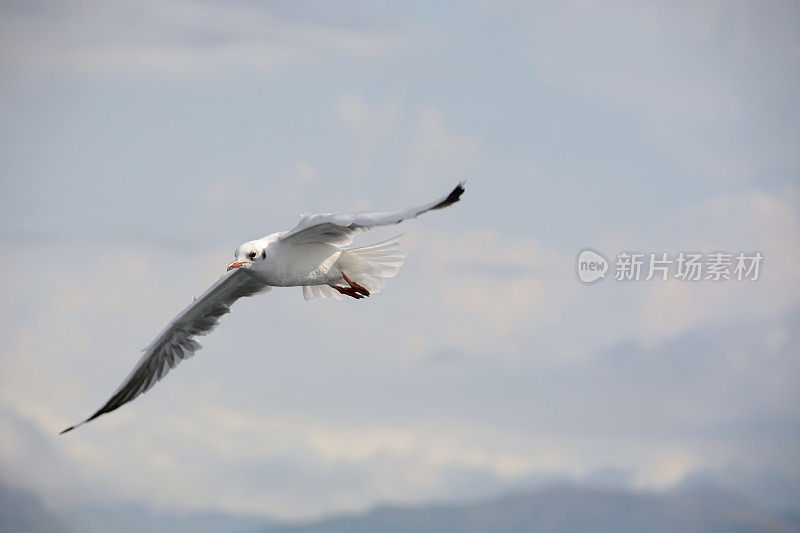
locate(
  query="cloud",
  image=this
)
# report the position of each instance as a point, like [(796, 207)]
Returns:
[(373, 128), (485, 362), (418, 144), (492, 288), (438, 150), (59, 362), (750, 221), (177, 38), (712, 83), (308, 424)]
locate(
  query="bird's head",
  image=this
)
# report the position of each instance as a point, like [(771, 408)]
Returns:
[(247, 254)]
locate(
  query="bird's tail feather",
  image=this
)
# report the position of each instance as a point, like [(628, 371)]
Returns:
[(368, 266)]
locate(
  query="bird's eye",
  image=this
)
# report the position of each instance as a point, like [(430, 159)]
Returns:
[(252, 255)]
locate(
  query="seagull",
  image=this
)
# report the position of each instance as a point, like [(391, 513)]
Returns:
[(312, 256)]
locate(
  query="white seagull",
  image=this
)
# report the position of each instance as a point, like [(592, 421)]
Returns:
[(311, 256)]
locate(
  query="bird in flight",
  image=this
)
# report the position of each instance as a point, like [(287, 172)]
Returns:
[(312, 256)]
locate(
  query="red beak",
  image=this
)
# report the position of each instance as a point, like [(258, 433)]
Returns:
[(235, 264)]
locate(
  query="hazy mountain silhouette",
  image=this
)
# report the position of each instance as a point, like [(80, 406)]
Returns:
[(564, 508), (21, 511), (138, 518), (568, 509)]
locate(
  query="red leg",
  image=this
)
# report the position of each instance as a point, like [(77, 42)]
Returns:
[(354, 285), (348, 291)]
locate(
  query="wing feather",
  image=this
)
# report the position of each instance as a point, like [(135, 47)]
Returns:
[(340, 228), (176, 342)]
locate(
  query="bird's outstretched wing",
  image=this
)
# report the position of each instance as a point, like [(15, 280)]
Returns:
[(339, 228), (177, 342)]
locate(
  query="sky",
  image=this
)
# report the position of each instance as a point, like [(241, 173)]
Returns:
[(142, 142)]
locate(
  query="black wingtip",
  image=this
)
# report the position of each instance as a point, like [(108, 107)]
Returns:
[(453, 197), (67, 430)]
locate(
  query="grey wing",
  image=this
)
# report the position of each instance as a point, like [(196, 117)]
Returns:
[(176, 342), (340, 228)]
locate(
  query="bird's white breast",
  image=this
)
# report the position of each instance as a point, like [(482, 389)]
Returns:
[(287, 265)]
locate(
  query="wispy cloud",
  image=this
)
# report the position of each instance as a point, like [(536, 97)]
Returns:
[(178, 38), (695, 75), (159, 135)]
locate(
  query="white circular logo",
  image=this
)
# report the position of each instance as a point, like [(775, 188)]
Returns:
[(591, 266)]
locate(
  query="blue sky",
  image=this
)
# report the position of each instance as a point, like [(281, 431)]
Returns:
[(141, 142)]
